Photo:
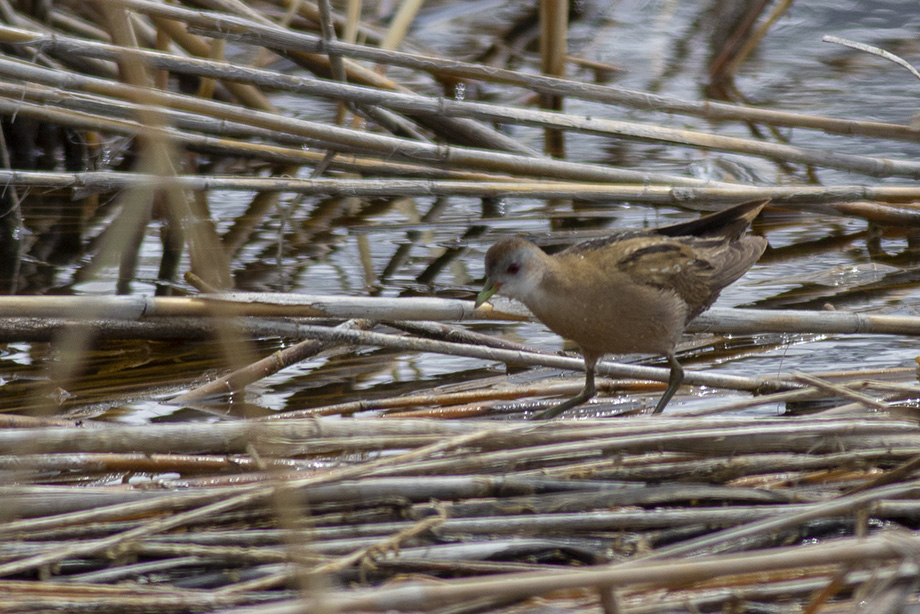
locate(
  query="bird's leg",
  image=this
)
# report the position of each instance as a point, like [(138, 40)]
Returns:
[(579, 398), (677, 376)]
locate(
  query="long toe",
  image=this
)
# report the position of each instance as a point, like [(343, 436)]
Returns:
[(586, 393), (575, 401), (555, 410)]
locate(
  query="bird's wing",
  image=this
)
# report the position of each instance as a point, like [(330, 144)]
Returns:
[(668, 263), (695, 268)]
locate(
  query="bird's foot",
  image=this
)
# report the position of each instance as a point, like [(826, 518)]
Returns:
[(555, 410)]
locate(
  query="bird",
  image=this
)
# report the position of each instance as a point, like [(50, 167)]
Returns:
[(633, 291)]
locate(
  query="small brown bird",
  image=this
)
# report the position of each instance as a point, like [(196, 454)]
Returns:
[(632, 291)]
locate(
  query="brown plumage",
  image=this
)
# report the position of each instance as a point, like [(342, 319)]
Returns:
[(632, 291)]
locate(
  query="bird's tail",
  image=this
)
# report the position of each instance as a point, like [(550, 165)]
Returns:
[(729, 223)]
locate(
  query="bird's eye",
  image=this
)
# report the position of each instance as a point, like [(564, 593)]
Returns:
[(513, 268)]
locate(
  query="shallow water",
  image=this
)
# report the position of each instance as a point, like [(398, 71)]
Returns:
[(662, 47)]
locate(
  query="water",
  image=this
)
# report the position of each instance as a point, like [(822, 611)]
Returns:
[(313, 245)]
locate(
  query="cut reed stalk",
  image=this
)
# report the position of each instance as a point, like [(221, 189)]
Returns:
[(412, 103), (668, 573), (136, 308), (804, 197), (524, 440), (235, 28)]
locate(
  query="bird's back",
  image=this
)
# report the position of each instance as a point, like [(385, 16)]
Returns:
[(695, 259), (726, 225)]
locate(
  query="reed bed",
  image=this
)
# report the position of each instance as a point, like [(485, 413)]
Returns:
[(676, 510), (781, 490)]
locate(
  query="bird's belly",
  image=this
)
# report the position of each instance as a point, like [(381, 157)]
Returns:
[(652, 325)]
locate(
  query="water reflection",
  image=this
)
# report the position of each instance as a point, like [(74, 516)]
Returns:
[(54, 242)]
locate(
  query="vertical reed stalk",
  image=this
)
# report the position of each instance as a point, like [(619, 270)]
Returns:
[(554, 22)]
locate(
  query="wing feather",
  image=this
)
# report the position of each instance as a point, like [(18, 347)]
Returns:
[(696, 268)]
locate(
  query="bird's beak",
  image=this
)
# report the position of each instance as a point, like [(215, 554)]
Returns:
[(490, 288)]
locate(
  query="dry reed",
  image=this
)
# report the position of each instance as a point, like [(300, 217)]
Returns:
[(429, 498)]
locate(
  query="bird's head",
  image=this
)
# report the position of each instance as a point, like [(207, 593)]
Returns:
[(514, 267)]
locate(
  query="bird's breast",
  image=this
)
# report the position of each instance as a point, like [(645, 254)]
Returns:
[(612, 315)]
